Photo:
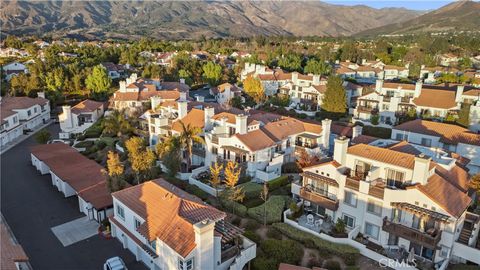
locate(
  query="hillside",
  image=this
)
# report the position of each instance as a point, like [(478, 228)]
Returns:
[(457, 16), (182, 19)]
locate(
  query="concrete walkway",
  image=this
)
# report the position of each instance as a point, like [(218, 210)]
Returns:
[(75, 230)]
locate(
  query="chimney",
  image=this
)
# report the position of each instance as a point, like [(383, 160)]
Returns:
[(418, 88), (459, 93), (133, 77), (182, 80), (421, 168), (316, 79), (155, 100), (123, 86), (294, 77), (183, 96), (241, 124), (68, 119), (356, 131), (41, 94), (379, 86), (364, 61), (204, 240), (340, 150), (200, 98), (326, 126), (209, 112), (182, 109)]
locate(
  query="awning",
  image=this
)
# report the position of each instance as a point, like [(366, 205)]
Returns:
[(235, 149), (420, 210), (309, 136), (321, 178)]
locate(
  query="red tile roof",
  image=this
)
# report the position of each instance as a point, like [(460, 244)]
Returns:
[(435, 98), (87, 106), (11, 251), (169, 213)]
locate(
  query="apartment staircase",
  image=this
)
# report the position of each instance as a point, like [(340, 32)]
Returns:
[(466, 232)]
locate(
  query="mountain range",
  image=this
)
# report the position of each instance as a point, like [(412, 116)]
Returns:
[(192, 19)]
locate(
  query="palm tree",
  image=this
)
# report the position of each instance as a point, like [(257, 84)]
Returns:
[(117, 123), (188, 137)]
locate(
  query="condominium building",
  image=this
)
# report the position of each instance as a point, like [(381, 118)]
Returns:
[(167, 228), (22, 114), (76, 119), (390, 100), (397, 197), (369, 71)]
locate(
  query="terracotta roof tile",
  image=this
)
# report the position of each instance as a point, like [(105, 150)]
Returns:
[(383, 155), (435, 98), (11, 252), (256, 140), (448, 133), (169, 213), (87, 106), (194, 118), (364, 139), (393, 85)]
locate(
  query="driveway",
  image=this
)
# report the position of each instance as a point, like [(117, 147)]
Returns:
[(31, 206)]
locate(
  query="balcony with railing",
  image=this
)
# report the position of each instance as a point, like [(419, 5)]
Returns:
[(426, 239), (320, 197)]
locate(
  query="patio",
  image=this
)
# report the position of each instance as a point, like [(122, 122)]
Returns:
[(315, 223)]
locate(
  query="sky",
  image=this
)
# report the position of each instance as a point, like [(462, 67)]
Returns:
[(409, 4)]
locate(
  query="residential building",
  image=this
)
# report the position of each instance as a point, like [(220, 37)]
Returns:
[(13, 69), (76, 119), (134, 94), (240, 54), (225, 92), (369, 71), (114, 71), (391, 100), (73, 174), (165, 59), (168, 228), (402, 198), (22, 114), (12, 52), (449, 137), (13, 257), (448, 59)]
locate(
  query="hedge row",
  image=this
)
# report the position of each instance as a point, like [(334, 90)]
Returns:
[(348, 253), (275, 206)]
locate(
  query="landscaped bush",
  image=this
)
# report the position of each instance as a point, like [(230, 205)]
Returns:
[(84, 144), (244, 179), (263, 263), (332, 265), (275, 206), (252, 202), (347, 252), (236, 221), (237, 208), (94, 131), (274, 233), (278, 182), (101, 144), (252, 236), (197, 192), (380, 132), (291, 167), (282, 251), (176, 182), (252, 225), (251, 189)]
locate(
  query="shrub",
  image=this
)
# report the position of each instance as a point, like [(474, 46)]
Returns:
[(101, 145), (244, 179), (197, 192), (352, 267), (339, 226), (252, 236), (314, 262), (251, 189), (291, 167), (94, 131), (84, 144), (345, 251), (332, 265), (278, 182), (374, 119), (237, 208), (274, 233), (276, 249), (275, 206), (252, 225), (380, 132), (252, 202), (176, 182), (262, 263), (43, 136), (236, 221)]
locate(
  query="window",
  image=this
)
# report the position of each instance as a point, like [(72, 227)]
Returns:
[(35, 109), (185, 265), (153, 245), (394, 178), (136, 222), (29, 112), (444, 251), (372, 230), (15, 119), (374, 207), (426, 142), (120, 212), (349, 221), (401, 137), (351, 198)]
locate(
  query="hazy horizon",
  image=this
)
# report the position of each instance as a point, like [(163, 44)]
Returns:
[(408, 4)]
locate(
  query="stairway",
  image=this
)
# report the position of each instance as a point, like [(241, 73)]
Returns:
[(466, 232)]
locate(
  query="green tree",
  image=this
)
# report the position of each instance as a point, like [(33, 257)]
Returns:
[(98, 82), (13, 42), (141, 158), (55, 80), (335, 97), (464, 115), (170, 154), (317, 67), (291, 62), (188, 137), (212, 73), (475, 183), (43, 136), (116, 123)]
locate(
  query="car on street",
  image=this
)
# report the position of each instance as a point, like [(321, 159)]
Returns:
[(115, 263)]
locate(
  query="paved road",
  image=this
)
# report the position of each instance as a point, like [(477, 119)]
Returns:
[(31, 206)]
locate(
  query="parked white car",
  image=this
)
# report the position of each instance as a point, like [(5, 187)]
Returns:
[(115, 263)]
